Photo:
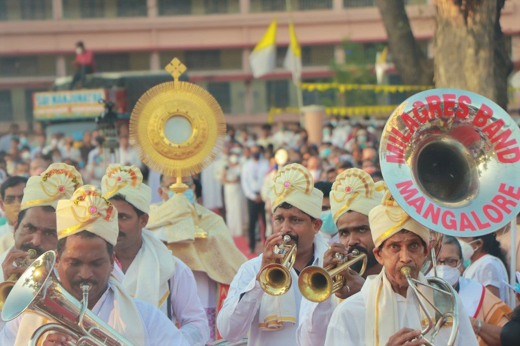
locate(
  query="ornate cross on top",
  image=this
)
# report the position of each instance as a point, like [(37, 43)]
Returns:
[(175, 68)]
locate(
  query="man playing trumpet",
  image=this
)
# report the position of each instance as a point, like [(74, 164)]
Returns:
[(386, 310), (87, 233), (272, 320), (352, 197)]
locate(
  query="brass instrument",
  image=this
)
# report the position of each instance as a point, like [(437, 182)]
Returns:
[(275, 278), (7, 286), (445, 314), (317, 283), (39, 291)]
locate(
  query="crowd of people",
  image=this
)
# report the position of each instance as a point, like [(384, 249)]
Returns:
[(115, 226)]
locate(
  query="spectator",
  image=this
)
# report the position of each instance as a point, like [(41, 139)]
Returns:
[(84, 64), (41, 141), (233, 196), (38, 165), (5, 140), (68, 151), (127, 154), (85, 148), (22, 169), (11, 193), (96, 162)]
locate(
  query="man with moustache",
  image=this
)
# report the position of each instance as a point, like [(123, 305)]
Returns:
[(352, 197), (35, 227), (11, 192), (87, 233), (386, 310), (144, 265), (272, 320)]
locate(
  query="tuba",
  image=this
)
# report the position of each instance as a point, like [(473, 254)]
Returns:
[(7, 286), (38, 291), (450, 159), (317, 283), (275, 278)]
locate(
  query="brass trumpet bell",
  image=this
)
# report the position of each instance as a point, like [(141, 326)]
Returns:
[(275, 278), (317, 284), (7, 286)]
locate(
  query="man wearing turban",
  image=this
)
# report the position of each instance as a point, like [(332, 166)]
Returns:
[(144, 265), (386, 310), (87, 233), (353, 195), (35, 227), (272, 320)]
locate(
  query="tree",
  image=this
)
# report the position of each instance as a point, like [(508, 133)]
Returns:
[(469, 45)]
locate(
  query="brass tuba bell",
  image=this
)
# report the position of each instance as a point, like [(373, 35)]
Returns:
[(275, 278), (317, 283), (39, 291)]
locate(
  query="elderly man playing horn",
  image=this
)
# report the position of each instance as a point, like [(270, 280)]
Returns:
[(144, 265), (272, 320), (35, 227), (354, 194), (386, 310), (87, 233)]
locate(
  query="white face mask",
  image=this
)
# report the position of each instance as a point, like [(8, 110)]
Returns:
[(450, 274), (467, 249)]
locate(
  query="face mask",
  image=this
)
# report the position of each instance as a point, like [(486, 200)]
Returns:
[(256, 156), (328, 227), (12, 211), (361, 139), (23, 141), (325, 152), (467, 250), (233, 159), (26, 155), (78, 50), (450, 274), (190, 196)]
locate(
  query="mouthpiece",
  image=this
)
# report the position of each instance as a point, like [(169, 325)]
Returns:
[(286, 238), (32, 253), (406, 271)]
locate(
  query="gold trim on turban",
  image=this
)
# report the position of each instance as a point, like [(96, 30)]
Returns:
[(56, 182), (127, 181), (87, 210), (294, 184)]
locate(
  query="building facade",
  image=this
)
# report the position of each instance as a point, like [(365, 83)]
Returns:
[(212, 37)]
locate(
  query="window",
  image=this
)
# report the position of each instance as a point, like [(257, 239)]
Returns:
[(317, 55), (18, 66), (304, 5), (3, 9), (6, 107), (358, 3), (112, 62), (203, 59), (34, 9), (222, 93), (277, 93), (92, 8), (215, 6), (174, 7), (267, 5), (131, 8)]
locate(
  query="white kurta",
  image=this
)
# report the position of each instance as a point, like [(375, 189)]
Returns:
[(157, 328), (186, 306), (6, 242), (490, 271), (240, 312), (314, 320), (2, 258), (6, 229), (347, 325)]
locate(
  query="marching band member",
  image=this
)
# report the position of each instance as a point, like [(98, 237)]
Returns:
[(352, 197), (272, 320), (87, 233), (488, 314), (145, 266), (386, 311), (201, 239), (36, 224)]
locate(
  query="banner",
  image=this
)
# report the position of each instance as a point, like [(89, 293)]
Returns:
[(382, 110)]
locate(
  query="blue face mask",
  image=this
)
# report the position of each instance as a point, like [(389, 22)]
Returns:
[(466, 263), (328, 227), (190, 196)]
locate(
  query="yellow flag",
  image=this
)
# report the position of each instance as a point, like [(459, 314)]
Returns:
[(263, 58), (293, 58)]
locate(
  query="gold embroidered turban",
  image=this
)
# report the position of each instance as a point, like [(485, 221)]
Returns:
[(294, 184), (127, 181), (87, 210), (57, 182)]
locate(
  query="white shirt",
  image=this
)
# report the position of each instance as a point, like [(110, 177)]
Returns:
[(6, 228), (347, 325), (2, 258), (489, 271), (252, 177), (6, 242), (157, 328), (314, 320), (129, 157), (240, 313), (186, 306)]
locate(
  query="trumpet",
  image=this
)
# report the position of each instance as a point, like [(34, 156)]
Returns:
[(39, 291), (434, 323), (317, 284), (7, 286), (275, 278)]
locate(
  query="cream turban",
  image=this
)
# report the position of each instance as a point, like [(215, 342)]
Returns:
[(127, 181), (389, 218), (87, 210), (354, 190), (57, 182), (294, 184)]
